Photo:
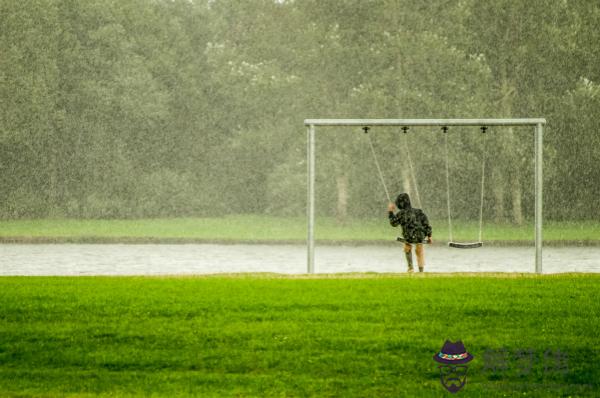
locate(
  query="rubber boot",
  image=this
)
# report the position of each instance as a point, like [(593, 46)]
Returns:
[(421, 269), (409, 261)]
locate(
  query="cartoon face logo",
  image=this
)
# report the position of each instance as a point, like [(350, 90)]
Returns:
[(453, 371), (453, 377)]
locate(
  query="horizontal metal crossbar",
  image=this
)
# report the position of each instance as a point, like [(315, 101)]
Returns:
[(425, 122)]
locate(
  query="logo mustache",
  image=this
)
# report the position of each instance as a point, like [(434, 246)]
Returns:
[(453, 381)]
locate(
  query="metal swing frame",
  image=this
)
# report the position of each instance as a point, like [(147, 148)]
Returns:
[(312, 124)]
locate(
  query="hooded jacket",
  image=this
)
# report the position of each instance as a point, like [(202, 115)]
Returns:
[(415, 225)]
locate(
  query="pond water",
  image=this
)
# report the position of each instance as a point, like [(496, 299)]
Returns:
[(158, 259)]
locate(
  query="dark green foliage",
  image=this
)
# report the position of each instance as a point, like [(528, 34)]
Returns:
[(179, 108)]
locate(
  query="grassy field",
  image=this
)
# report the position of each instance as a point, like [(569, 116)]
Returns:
[(266, 335), (263, 228)]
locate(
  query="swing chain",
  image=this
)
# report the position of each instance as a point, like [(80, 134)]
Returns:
[(451, 243), (387, 194), (484, 159), (411, 168)]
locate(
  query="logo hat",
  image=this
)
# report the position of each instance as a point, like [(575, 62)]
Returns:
[(453, 354)]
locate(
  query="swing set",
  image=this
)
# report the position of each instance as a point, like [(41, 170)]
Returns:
[(444, 124), (451, 241)]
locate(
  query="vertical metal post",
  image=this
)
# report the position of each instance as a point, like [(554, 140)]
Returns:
[(311, 199), (539, 131)]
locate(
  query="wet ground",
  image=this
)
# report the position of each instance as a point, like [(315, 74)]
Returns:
[(156, 259)]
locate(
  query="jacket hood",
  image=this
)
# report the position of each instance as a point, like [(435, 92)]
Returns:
[(403, 202)]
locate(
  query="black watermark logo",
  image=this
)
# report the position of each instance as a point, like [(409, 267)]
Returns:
[(501, 361), (503, 365), (453, 359)]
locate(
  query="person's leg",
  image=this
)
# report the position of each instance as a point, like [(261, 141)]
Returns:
[(408, 254), (420, 256)]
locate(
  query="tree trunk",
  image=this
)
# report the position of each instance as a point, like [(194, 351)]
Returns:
[(517, 208), (516, 190), (342, 198), (512, 150), (498, 192)]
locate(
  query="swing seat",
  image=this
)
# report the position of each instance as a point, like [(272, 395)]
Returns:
[(472, 245), (401, 239)]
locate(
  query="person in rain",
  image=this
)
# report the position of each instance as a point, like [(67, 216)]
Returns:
[(415, 229)]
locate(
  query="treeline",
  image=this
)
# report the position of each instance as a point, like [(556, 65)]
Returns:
[(174, 108)]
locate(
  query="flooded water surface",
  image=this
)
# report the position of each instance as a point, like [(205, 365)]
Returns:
[(162, 259)]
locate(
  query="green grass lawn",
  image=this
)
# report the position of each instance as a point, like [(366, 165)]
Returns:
[(363, 335), (264, 228)]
